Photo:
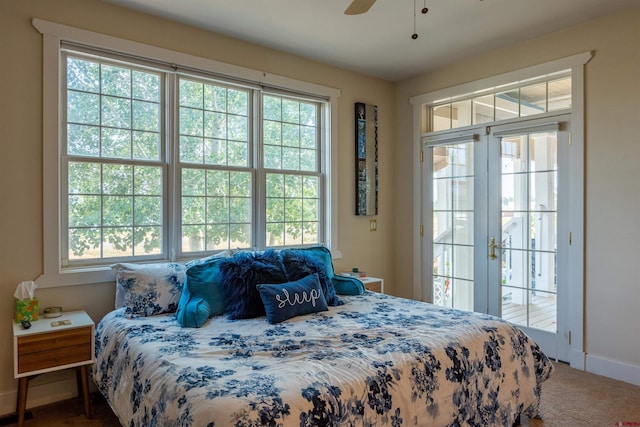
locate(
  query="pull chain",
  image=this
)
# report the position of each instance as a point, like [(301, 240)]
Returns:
[(414, 35), (423, 11)]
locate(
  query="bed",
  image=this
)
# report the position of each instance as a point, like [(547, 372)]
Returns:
[(376, 360)]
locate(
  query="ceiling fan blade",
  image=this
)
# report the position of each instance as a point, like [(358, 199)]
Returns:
[(359, 6)]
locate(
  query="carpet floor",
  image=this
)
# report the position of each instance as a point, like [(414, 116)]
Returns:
[(576, 398), (569, 398)]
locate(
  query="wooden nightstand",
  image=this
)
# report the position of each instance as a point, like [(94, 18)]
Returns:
[(374, 284), (52, 344)]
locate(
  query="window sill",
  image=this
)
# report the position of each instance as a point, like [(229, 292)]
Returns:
[(76, 276)]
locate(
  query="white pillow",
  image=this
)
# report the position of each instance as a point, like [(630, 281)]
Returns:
[(127, 271), (148, 289)]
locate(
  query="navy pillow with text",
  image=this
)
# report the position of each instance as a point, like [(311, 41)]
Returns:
[(286, 300)]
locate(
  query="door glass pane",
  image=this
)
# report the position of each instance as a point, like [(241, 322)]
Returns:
[(462, 194), (542, 310), (441, 228), (453, 206), (543, 153), (462, 294), (529, 230), (512, 155), (463, 226)]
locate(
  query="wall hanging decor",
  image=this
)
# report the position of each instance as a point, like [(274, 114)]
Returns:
[(366, 125)]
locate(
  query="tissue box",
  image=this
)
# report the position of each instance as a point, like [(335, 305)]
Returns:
[(25, 309)]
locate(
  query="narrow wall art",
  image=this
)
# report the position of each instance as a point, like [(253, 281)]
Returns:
[(366, 126)]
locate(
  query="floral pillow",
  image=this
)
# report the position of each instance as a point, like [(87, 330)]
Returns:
[(148, 289)]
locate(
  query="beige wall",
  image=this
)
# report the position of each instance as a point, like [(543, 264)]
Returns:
[(21, 240), (612, 117)]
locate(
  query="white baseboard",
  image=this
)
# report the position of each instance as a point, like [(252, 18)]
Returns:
[(43, 390), (613, 369)]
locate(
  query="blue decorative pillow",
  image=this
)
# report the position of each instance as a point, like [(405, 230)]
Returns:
[(241, 274), (226, 253), (149, 288), (348, 285), (286, 300), (321, 254), (193, 312), (203, 281), (300, 263)]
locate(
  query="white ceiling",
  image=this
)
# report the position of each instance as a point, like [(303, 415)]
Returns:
[(379, 43)]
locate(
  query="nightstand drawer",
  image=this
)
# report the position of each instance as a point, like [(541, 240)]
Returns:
[(373, 286), (47, 350)]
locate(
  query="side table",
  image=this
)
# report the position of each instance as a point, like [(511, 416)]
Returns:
[(374, 284), (52, 344)]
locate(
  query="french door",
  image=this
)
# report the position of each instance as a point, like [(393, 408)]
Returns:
[(499, 199)]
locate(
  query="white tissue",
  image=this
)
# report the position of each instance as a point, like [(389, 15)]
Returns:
[(25, 290)]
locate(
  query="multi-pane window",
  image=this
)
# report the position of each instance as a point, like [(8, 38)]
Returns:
[(291, 153), (521, 99), (113, 161), (215, 169), (161, 165)]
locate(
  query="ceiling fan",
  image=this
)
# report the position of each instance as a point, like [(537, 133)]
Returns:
[(359, 6)]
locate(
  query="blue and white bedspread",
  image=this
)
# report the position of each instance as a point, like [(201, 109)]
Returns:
[(377, 360)]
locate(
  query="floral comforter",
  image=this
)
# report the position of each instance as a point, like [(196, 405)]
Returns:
[(377, 360)]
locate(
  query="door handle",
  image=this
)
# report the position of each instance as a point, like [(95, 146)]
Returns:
[(492, 248)]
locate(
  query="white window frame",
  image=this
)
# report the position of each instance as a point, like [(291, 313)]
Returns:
[(54, 35)]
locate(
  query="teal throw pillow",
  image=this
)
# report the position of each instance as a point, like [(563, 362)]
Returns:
[(342, 285), (193, 313), (286, 300), (202, 282), (322, 254), (348, 285)]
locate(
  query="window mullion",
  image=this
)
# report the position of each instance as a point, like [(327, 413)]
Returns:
[(259, 181), (171, 182)]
